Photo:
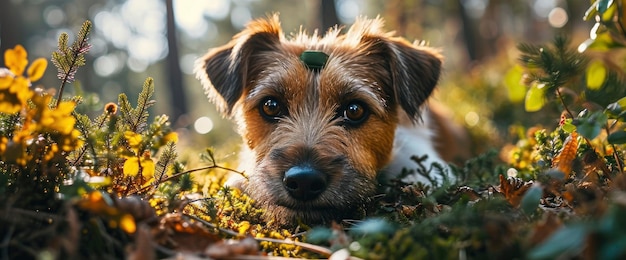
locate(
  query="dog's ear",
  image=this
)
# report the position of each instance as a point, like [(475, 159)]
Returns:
[(226, 71), (414, 68), (415, 72)]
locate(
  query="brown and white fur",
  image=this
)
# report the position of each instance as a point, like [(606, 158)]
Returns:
[(316, 140)]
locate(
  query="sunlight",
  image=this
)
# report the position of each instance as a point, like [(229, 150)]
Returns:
[(191, 16)]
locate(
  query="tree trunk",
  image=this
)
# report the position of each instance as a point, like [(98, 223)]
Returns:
[(178, 100), (328, 15), (10, 34)]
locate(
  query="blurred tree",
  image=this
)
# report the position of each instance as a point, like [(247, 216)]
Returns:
[(328, 14), (174, 73), (9, 35)]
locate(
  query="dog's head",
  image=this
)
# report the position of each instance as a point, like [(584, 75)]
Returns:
[(319, 134)]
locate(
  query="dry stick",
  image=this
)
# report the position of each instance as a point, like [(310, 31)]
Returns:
[(310, 247)]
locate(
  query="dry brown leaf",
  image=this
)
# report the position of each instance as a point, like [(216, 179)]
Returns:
[(594, 164), (513, 189), (565, 159), (177, 232)]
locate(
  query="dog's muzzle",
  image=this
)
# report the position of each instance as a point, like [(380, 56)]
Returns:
[(304, 182)]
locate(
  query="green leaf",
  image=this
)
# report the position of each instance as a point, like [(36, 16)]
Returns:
[(319, 235), (590, 125), (531, 198), (535, 97), (314, 59), (374, 226), (567, 241), (514, 84), (569, 127), (607, 16), (618, 137), (596, 75), (614, 109), (621, 102), (606, 9)]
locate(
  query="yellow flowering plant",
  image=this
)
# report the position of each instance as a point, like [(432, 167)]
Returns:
[(50, 154), (42, 132)]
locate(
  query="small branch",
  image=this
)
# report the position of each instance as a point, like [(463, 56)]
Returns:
[(67, 75), (176, 175), (310, 247), (560, 96), (618, 161)]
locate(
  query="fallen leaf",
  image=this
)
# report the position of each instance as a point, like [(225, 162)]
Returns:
[(564, 160), (513, 189)]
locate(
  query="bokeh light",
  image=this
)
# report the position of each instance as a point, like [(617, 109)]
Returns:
[(203, 125), (558, 17)]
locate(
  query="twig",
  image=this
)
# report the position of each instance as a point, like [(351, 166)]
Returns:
[(310, 247), (176, 175), (560, 96), (607, 128)]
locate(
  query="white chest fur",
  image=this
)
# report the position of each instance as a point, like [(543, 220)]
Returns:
[(415, 140)]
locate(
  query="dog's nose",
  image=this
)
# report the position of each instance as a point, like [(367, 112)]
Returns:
[(304, 183)]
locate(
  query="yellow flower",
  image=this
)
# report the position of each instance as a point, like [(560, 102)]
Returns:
[(3, 144), (52, 150), (170, 137), (47, 119), (15, 59), (143, 165), (70, 142), (36, 69), (134, 140), (14, 87)]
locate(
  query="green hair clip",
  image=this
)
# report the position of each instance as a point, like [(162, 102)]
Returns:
[(314, 60)]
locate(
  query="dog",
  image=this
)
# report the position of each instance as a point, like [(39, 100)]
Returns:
[(323, 118)]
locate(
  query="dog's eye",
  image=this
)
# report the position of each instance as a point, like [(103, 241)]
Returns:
[(355, 113), (271, 108)]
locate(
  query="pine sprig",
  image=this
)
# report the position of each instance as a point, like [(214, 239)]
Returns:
[(68, 59), (136, 118), (553, 65), (126, 110), (84, 125), (143, 103), (166, 160)]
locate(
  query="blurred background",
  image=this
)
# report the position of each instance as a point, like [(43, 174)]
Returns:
[(135, 39)]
